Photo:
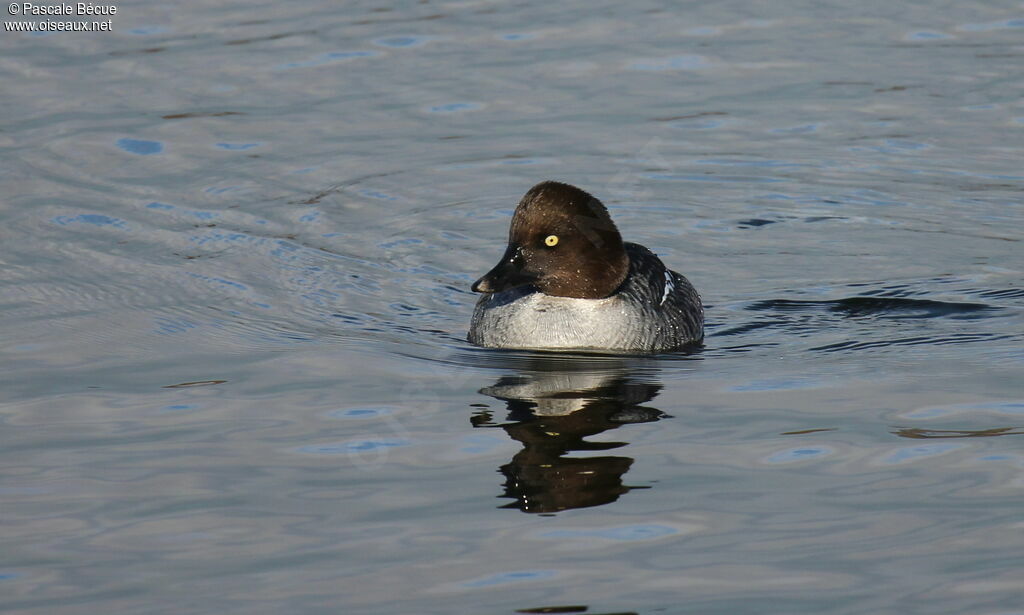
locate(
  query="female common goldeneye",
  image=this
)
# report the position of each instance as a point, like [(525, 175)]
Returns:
[(568, 281)]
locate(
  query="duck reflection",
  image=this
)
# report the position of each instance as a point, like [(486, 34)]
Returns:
[(553, 405)]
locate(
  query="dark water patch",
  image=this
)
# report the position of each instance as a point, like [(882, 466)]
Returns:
[(803, 432), (431, 17), (879, 317), (1008, 293), (561, 609), (270, 37), (144, 50), (963, 338), (197, 383), (897, 88), (195, 114), (916, 433), (759, 222), (754, 222), (673, 118), (885, 307)]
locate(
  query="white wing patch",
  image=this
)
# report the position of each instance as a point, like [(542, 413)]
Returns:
[(669, 286)]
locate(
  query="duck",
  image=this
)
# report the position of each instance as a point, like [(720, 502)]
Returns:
[(567, 281)]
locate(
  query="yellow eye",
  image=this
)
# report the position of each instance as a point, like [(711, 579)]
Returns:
[(551, 241)]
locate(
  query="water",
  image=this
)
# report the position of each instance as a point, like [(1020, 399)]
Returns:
[(237, 242)]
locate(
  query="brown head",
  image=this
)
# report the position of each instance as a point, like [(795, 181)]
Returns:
[(562, 241)]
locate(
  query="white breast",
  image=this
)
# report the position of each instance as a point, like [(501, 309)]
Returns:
[(543, 321)]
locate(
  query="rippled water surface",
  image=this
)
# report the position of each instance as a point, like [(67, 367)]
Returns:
[(237, 240)]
